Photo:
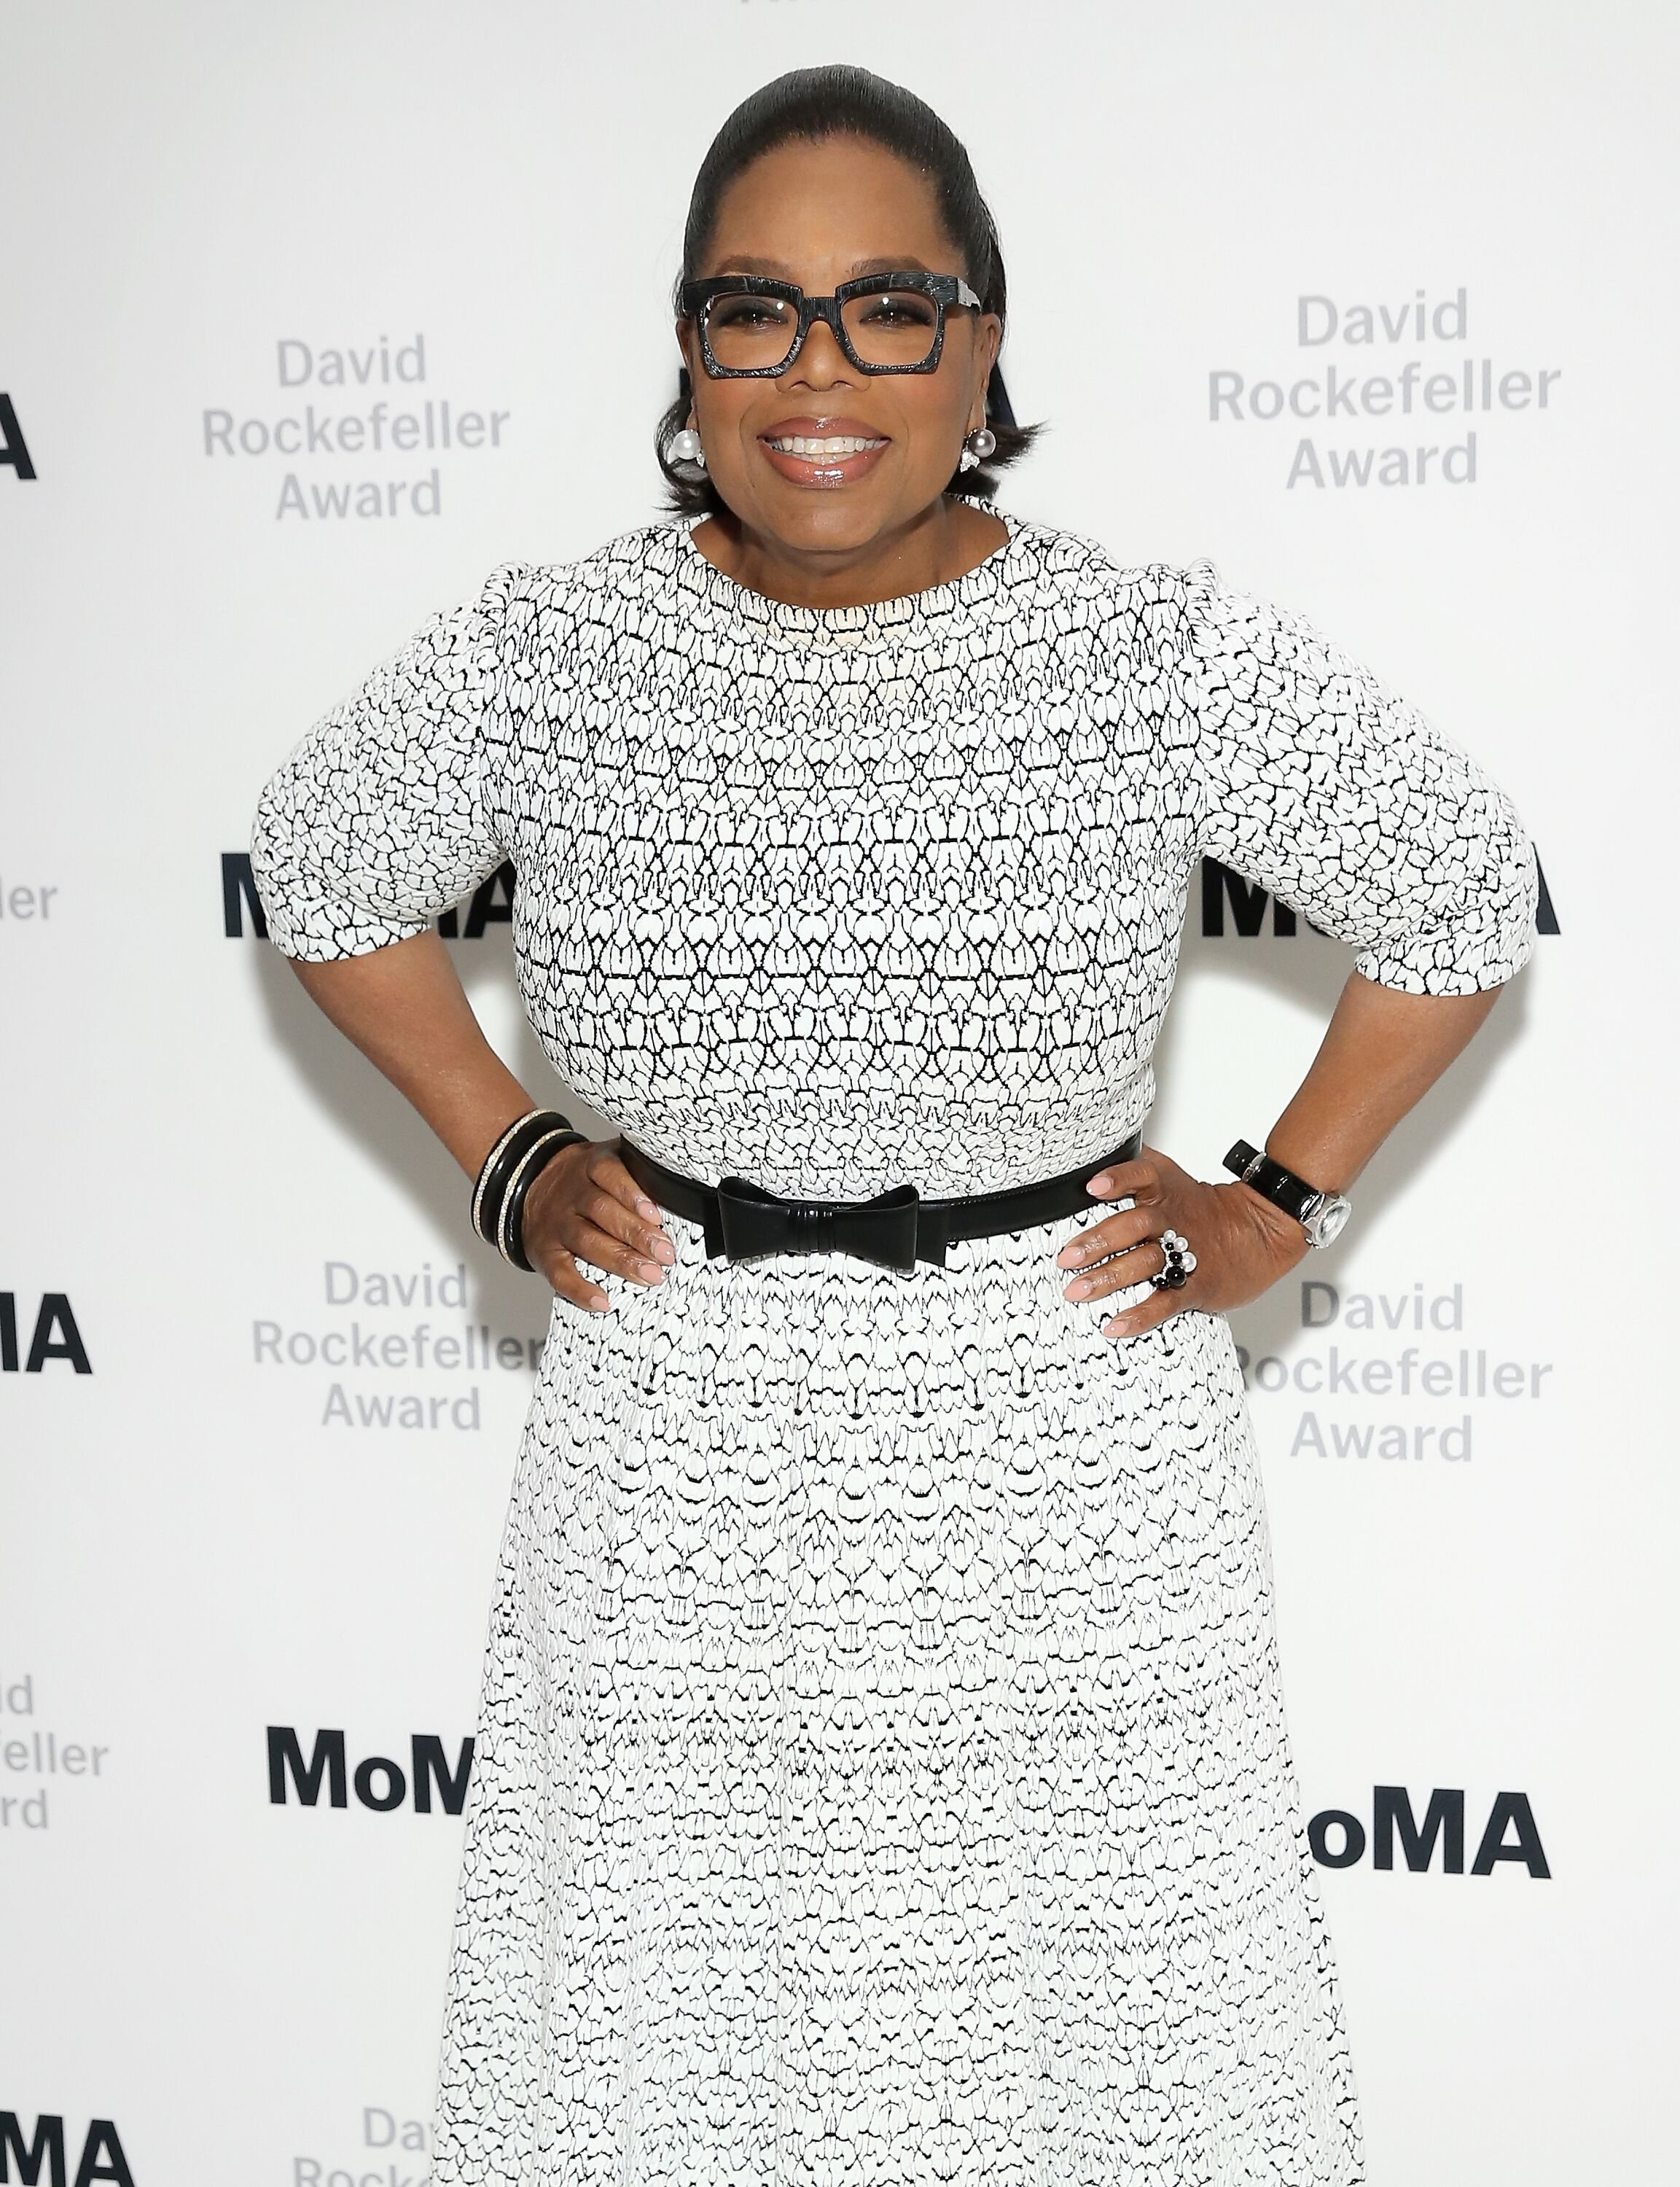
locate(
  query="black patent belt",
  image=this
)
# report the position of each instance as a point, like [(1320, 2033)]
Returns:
[(894, 1230)]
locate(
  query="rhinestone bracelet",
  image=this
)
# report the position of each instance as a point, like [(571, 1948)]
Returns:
[(496, 1172)]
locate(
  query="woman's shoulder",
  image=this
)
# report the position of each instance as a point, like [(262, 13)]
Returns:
[(645, 556), (1199, 607), (1066, 559)]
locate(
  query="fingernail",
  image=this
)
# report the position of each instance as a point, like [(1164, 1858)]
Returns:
[(646, 1207), (1078, 1288), (1100, 1183), (664, 1249)]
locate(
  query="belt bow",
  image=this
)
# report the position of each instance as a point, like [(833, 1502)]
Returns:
[(755, 1222)]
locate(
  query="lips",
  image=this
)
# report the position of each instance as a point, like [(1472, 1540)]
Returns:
[(823, 451)]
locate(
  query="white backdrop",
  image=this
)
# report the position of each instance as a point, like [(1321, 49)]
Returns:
[(208, 1198)]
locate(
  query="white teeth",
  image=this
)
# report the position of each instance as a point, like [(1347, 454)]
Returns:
[(797, 444)]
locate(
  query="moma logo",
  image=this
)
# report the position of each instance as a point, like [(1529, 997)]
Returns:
[(378, 1782), (1223, 889), (1509, 1834), (491, 904), (54, 1336), (42, 2154), (13, 448)]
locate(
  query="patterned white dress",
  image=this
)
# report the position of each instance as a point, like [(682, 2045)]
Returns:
[(882, 1774)]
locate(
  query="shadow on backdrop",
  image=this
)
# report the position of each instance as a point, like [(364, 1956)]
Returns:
[(1309, 972), (391, 1137)]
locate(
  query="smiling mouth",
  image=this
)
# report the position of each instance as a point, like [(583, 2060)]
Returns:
[(831, 448)]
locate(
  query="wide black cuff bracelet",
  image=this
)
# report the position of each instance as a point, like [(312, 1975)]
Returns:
[(518, 1157)]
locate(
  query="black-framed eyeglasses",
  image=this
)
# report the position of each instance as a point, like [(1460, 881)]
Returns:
[(752, 329)]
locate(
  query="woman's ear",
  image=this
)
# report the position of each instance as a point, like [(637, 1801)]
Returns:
[(685, 328)]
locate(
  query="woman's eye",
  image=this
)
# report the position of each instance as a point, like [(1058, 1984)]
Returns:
[(747, 311), (896, 312)]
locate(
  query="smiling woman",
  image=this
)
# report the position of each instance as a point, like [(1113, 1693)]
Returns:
[(882, 1773), (782, 251), (824, 403)]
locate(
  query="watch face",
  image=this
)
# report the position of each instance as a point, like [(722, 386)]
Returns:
[(1325, 1222)]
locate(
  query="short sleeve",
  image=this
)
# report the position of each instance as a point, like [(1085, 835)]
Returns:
[(380, 818), (1336, 795)]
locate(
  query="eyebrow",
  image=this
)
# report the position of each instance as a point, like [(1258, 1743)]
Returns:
[(772, 269)]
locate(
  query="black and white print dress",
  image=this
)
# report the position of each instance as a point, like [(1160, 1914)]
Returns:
[(882, 1776)]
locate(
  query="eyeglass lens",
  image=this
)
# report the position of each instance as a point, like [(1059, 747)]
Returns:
[(890, 326)]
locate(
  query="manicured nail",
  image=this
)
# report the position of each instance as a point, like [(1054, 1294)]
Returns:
[(1100, 1183), (1078, 1288), (664, 1249), (646, 1207)]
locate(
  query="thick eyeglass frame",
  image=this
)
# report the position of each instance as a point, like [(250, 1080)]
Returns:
[(943, 289)]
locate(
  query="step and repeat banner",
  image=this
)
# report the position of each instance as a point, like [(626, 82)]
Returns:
[(311, 315)]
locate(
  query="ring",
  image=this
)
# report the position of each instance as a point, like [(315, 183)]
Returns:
[(1180, 1260)]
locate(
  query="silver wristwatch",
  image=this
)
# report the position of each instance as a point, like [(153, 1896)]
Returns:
[(1322, 1215)]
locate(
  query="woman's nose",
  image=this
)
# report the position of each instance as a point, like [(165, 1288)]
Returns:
[(821, 360)]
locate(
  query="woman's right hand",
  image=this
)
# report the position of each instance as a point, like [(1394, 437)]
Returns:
[(585, 1205)]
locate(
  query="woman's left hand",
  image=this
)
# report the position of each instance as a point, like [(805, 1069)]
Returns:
[(1242, 1244)]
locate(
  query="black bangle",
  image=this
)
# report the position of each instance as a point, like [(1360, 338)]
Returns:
[(510, 1222), (1270, 1179), (502, 1159)]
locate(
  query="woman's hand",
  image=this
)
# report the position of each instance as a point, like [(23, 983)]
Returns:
[(1241, 1242), (585, 1205)]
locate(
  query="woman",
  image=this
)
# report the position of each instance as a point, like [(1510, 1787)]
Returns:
[(882, 1772)]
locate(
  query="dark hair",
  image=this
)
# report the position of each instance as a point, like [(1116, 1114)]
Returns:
[(842, 101)]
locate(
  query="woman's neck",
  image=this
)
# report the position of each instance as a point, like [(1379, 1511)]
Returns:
[(947, 541)]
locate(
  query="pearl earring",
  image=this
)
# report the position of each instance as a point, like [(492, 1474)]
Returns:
[(685, 447), (978, 446)]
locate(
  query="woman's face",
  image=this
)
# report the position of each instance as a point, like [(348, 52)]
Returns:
[(819, 214)]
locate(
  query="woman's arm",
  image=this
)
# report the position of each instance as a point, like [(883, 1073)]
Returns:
[(405, 1008), (1381, 1053), (1304, 773), (383, 816)]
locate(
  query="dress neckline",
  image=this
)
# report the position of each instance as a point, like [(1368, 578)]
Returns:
[(983, 581)]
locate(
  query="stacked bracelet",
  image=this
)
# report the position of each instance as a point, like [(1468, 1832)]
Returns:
[(510, 1224), (512, 1165)]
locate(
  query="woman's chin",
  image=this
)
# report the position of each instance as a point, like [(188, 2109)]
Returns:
[(830, 520)]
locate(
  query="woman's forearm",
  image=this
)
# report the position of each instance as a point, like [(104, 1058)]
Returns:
[(405, 1008), (1381, 1053)]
